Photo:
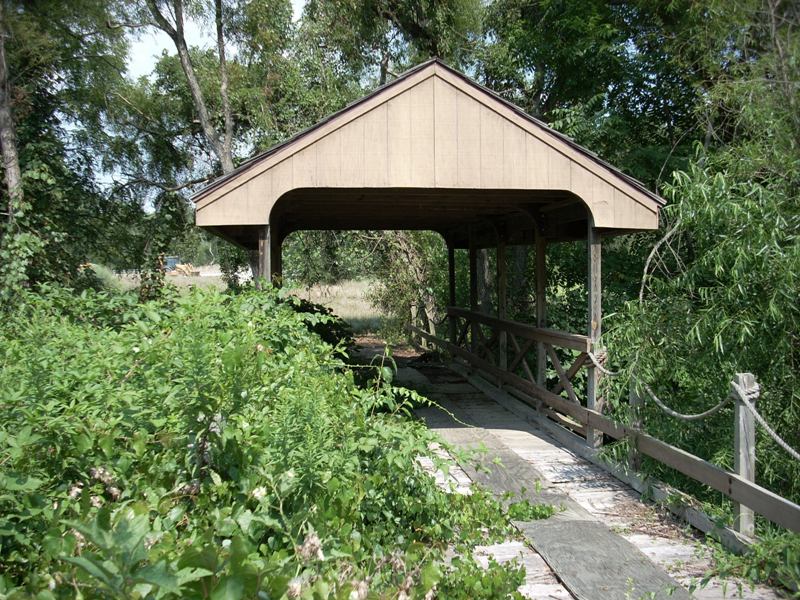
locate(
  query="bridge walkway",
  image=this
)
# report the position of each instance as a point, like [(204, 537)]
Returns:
[(605, 542)]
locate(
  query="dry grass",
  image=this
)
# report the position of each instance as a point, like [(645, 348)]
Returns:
[(348, 300)]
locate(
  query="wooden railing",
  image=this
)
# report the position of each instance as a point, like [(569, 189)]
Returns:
[(524, 351), (478, 342)]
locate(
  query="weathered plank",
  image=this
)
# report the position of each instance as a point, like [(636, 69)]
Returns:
[(777, 509), (562, 339), (572, 543)]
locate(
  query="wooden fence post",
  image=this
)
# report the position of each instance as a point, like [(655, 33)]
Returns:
[(594, 438), (451, 284), (502, 302), (744, 450)]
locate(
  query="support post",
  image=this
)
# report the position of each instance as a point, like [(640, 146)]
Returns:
[(502, 301), (264, 257), (541, 305), (451, 281), (594, 438), (276, 259), (744, 451), (473, 288)]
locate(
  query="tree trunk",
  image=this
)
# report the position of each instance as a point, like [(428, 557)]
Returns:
[(220, 143), (8, 138)]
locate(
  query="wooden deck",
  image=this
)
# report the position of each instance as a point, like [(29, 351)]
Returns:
[(606, 543)]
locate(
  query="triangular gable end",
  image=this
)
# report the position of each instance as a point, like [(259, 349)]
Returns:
[(432, 128)]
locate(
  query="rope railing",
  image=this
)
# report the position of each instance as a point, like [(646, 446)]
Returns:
[(683, 416), (746, 400), (746, 397)]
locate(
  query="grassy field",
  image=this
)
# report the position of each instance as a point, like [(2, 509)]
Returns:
[(348, 300)]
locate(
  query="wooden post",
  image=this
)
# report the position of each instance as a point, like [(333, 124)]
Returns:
[(451, 280), (264, 257), (502, 300), (594, 438), (744, 451), (473, 288), (541, 305), (636, 404), (276, 259)]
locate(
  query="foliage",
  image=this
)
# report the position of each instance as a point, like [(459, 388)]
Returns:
[(774, 558), (210, 445)]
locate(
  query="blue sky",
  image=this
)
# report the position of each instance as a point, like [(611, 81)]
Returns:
[(149, 45)]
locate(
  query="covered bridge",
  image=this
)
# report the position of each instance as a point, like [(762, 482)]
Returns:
[(434, 150)]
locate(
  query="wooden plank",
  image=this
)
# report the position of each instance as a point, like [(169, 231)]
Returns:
[(423, 160), (574, 368), (451, 288), (592, 562), (446, 133), (491, 149), (567, 538), (541, 304), (399, 138), (264, 255), (376, 158), (353, 142), (565, 382), (502, 301), (777, 509), (473, 287), (561, 339), (680, 504), (520, 358), (469, 142), (744, 452)]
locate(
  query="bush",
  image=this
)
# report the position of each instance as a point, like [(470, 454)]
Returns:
[(210, 445)]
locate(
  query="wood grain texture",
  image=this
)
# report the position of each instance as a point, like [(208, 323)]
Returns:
[(430, 131)]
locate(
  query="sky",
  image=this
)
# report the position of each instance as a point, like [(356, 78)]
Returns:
[(150, 44)]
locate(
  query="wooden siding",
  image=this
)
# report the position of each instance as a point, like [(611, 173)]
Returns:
[(431, 131)]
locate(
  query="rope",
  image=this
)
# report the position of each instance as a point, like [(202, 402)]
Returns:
[(745, 397), (599, 361), (682, 416)]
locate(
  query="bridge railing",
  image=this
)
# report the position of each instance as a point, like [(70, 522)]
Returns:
[(478, 341)]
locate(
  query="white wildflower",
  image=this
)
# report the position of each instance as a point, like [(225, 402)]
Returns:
[(360, 590), (259, 493), (96, 501), (75, 490), (311, 548), (136, 349), (295, 588), (226, 543)]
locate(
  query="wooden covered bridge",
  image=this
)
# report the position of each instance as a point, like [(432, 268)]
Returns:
[(433, 150)]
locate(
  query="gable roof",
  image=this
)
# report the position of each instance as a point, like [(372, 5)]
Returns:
[(430, 150), (262, 156)]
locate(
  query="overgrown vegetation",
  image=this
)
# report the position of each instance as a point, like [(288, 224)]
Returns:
[(210, 445)]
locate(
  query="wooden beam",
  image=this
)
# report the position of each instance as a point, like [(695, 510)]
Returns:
[(594, 438), (562, 339), (276, 259), (473, 285), (264, 256), (502, 300), (744, 452), (451, 287), (541, 304)]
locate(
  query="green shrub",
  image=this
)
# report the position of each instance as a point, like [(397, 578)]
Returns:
[(210, 445)]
